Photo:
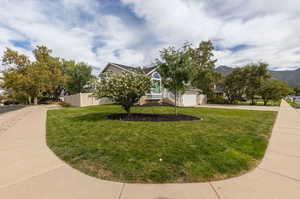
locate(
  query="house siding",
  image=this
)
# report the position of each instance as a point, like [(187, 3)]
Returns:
[(113, 69)]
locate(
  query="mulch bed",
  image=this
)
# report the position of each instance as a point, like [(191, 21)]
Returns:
[(151, 117)]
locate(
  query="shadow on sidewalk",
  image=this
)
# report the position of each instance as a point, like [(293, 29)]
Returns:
[(5, 109)]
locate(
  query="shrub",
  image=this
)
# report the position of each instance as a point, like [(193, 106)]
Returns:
[(125, 89), (45, 100), (217, 100), (64, 104), (11, 102)]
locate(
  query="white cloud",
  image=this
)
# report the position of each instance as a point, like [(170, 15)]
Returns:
[(270, 28), (67, 35), (80, 30)]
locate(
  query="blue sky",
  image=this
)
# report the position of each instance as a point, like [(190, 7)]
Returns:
[(133, 31)]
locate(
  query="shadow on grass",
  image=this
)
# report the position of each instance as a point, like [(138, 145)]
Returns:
[(93, 117)]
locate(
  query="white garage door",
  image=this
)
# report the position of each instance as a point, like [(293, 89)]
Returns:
[(189, 100)]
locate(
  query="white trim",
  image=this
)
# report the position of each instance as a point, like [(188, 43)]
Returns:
[(149, 96), (115, 66), (152, 71), (155, 77)]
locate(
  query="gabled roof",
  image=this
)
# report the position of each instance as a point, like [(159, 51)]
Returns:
[(148, 70), (145, 70), (127, 68)]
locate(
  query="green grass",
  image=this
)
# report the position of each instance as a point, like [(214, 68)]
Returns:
[(225, 144), (260, 102), (293, 104)]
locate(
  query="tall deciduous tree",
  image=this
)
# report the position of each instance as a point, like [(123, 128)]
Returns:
[(125, 89), (234, 85), (273, 90), (46, 75), (297, 91), (173, 66), (255, 75), (17, 78), (52, 77), (78, 76), (204, 76)]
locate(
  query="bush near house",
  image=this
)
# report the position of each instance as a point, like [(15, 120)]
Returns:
[(124, 89)]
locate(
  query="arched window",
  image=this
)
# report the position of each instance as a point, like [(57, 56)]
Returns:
[(156, 83), (156, 76)]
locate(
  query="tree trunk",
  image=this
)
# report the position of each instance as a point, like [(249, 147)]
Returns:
[(252, 101), (127, 109), (35, 100), (29, 99), (176, 102)]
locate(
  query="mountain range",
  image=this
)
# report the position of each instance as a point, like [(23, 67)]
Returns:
[(291, 77)]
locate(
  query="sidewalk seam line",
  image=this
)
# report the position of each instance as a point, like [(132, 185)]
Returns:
[(283, 154), (279, 174), (294, 134), (213, 188), (30, 177), (121, 192)]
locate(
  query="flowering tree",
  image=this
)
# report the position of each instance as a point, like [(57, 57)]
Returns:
[(125, 89)]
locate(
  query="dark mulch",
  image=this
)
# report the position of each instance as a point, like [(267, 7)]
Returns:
[(138, 117)]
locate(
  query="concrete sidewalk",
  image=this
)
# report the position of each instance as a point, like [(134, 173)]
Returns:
[(241, 107), (30, 170)]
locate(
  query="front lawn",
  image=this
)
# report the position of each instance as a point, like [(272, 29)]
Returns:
[(225, 144)]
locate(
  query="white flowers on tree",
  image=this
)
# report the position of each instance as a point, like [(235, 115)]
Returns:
[(125, 89)]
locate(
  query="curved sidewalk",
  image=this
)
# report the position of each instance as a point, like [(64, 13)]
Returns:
[(29, 170)]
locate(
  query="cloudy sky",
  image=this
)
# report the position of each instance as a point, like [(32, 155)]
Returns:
[(133, 31)]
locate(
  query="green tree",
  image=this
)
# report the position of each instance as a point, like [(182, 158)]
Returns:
[(204, 75), (78, 75), (297, 91), (45, 76), (17, 78), (53, 79), (30, 79), (173, 66), (254, 76), (274, 90), (125, 89), (234, 85)]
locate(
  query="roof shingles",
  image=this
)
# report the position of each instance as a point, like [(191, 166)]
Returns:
[(145, 70)]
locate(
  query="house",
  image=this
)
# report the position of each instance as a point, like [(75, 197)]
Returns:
[(293, 98), (158, 94), (297, 99)]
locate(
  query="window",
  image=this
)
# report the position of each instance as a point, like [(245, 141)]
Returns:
[(156, 76), (156, 83)]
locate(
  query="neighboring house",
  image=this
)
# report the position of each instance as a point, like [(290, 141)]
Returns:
[(158, 94), (297, 99), (293, 98)]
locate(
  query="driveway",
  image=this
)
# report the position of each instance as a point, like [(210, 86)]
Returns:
[(10, 115), (5, 109), (30, 170)]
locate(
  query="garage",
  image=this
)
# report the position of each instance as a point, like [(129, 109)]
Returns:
[(189, 100)]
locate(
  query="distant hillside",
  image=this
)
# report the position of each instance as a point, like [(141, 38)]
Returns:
[(224, 70), (291, 77)]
